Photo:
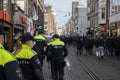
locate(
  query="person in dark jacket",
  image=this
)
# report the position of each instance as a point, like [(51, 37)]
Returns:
[(108, 46), (49, 58), (57, 51), (90, 45), (9, 67), (85, 44), (79, 45), (28, 59), (40, 46), (99, 43), (117, 46)]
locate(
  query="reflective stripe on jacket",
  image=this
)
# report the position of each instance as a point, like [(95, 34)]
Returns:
[(26, 52), (57, 51), (57, 42), (28, 61), (5, 56), (9, 68), (40, 37)]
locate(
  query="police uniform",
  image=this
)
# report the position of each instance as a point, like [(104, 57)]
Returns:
[(29, 61), (9, 68), (39, 47), (58, 51), (49, 59)]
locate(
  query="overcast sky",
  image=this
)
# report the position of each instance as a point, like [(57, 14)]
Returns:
[(62, 9)]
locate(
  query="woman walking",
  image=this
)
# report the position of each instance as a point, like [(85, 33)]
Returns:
[(28, 59)]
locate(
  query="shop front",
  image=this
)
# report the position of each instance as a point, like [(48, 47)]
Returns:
[(20, 24), (6, 25), (118, 28), (103, 30), (113, 28)]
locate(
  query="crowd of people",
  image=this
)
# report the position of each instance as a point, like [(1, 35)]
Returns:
[(104, 45), (25, 62)]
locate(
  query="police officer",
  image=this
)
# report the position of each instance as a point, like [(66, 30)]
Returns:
[(57, 51), (9, 67), (40, 46), (28, 59), (49, 58)]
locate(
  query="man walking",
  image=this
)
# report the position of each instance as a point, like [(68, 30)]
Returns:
[(39, 46), (57, 51)]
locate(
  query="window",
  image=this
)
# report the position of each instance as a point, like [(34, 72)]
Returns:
[(76, 21), (103, 13), (45, 22), (76, 28), (46, 17), (5, 6), (103, 1), (45, 27), (118, 8)]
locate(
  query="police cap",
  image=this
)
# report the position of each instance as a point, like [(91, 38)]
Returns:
[(27, 36)]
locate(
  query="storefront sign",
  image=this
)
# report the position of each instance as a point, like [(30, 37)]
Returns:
[(102, 29), (4, 16), (1, 14)]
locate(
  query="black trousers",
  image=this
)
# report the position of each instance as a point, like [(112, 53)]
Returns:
[(117, 52), (41, 58), (52, 69), (90, 51), (58, 71)]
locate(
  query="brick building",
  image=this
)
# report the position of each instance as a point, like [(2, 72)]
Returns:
[(49, 21)]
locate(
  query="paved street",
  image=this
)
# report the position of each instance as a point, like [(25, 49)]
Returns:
[(107, 69), (36, 24)]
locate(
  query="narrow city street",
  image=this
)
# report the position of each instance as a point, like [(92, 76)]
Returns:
[(81, 67), (47, 26)]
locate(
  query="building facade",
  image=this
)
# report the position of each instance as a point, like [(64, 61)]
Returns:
[(17, 17), (49, 21), (102, 12), (6, 20), (39, 12), (68, 28), (98, 16), (81, 20), (92, 13), (74, 6), (105, 15), (114, 19)]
